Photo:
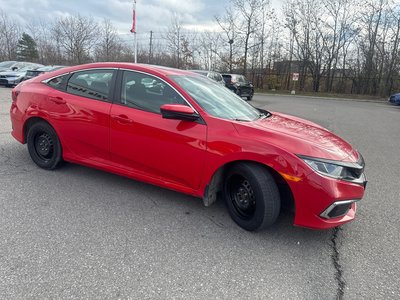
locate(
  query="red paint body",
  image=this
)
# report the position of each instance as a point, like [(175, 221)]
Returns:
[(183, 155)]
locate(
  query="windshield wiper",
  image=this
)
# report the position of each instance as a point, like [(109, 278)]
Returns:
[(241, 120), (263, 114)]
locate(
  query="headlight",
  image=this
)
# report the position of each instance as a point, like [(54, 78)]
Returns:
[(336, 169), (325, 168)]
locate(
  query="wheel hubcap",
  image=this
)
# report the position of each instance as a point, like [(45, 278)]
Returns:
[(242, 196), (44, 145)]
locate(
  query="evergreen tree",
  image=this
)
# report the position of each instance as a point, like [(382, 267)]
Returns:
[(27, 48)]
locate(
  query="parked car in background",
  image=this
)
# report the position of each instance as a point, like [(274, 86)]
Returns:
[(6, 65), (33, 73), (394, 99), (217, 77), (193, 137), (239, 85), (12, 78), (15, 66)]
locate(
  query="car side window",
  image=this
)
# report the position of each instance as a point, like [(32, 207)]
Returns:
[(58, 82), (146, 92), (93, 84)]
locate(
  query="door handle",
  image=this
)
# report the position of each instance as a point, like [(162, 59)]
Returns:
[(57, 100), (122, 119)]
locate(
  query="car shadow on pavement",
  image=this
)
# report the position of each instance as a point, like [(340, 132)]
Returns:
[(189, 208)]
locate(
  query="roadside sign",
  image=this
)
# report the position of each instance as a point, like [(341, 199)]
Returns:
[(295, 76)]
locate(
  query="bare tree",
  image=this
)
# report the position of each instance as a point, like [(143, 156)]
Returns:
[(249, 13), (9, 35), (109, 45), (76, 36), (394, 58), (41, 33), (228, 25), (173, 37), (339, 31)]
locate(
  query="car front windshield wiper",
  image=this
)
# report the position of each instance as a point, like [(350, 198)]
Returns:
[(263, 114), (241, 120)]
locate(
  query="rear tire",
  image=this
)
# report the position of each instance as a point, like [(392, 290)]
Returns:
[(251, 196), (44, 146)]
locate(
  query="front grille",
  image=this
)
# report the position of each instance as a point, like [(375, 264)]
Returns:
[(357, 171)]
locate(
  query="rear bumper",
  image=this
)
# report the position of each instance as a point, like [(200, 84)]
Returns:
[(17, 123), (394, 100), (323, 202)]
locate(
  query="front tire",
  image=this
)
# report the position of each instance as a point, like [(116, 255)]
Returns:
[(44, 146), (251, 196)]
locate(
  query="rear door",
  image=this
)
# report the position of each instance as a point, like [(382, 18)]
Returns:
[(142, 141), (81, 113)]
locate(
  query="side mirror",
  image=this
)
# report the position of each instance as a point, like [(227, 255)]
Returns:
[(178, 112), (14, 68)]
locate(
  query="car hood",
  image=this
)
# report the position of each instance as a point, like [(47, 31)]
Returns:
[(298, 136), (12, 73)]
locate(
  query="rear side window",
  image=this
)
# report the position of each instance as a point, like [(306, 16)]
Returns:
[(93, 84), (240, 78), (218, 77), (227, 78), (59, 82)]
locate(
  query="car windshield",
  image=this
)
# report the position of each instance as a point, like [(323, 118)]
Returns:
[(215, 99), (7, 64), (46, 69), (240, 78), (28, 68)]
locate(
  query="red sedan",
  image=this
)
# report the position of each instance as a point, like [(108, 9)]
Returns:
[(181, 131)]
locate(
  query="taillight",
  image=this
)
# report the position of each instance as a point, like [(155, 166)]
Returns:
[(14, 95)]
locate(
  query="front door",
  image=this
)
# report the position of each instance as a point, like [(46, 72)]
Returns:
[(142, 141)]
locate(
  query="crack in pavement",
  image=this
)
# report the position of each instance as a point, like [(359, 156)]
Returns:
[(341, 283)]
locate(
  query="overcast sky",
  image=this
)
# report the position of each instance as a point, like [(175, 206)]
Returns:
[(153, 15)]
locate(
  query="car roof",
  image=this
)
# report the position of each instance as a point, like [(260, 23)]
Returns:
[(200, 71), (154, 69)]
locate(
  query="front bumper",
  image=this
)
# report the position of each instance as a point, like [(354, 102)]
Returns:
[(10, 80), (323, 202)]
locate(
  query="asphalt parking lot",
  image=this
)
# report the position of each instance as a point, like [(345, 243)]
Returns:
[(82, 233)]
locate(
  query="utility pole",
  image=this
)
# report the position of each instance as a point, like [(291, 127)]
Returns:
[(230, 55), (179, 47), (151, 46), (210, 58)]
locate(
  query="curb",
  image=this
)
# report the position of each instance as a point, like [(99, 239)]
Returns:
[(324, 98)]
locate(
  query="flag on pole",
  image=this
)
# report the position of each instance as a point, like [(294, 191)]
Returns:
[(133, 29)]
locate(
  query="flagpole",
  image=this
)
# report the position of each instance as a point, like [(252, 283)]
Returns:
[(135, 47), (134, 29)]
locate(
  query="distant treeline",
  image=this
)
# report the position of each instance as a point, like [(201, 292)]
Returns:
[(336, 46)]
